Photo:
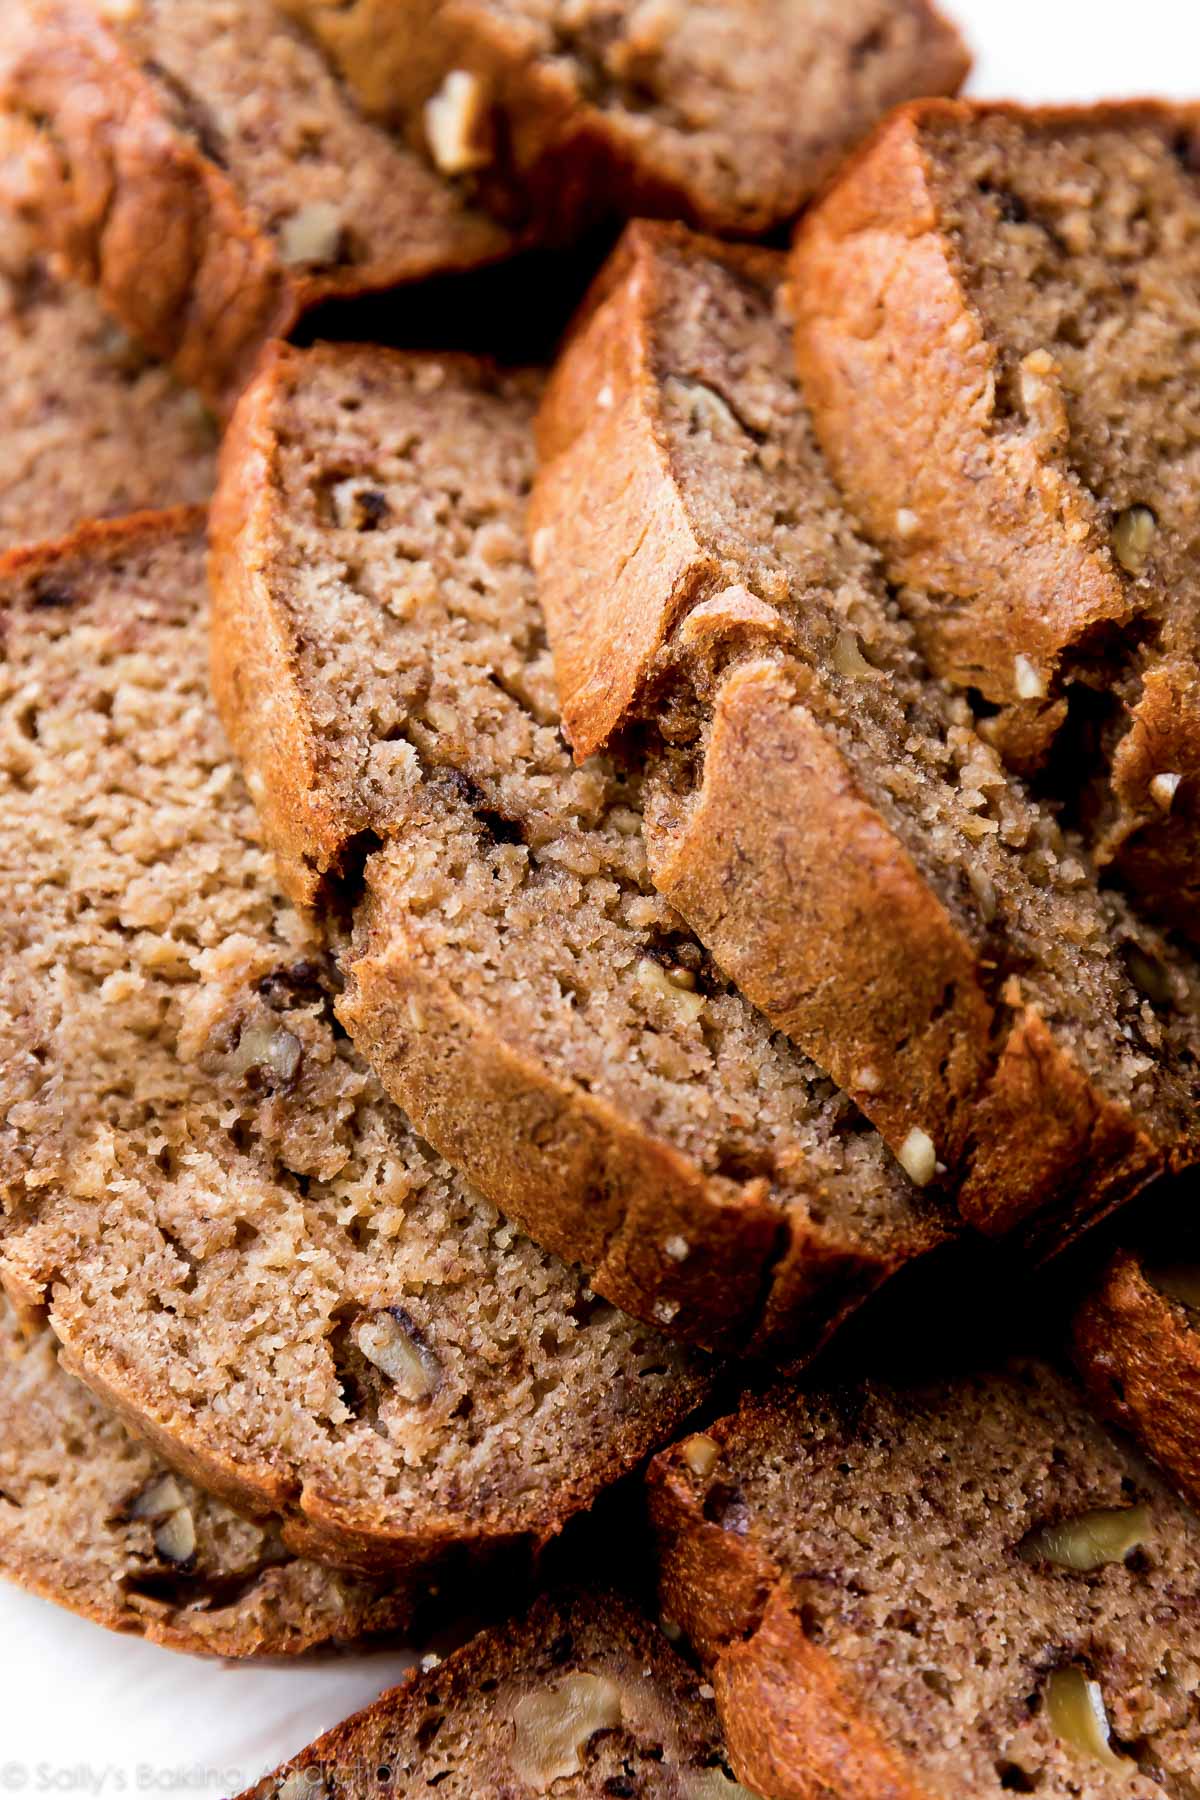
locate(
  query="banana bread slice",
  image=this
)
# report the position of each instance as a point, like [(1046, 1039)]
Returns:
[(90, 425), (91, 1518), (730, 113), (582, 1697), (242, 1246), (543, 1015), (1137, 1346), (959, 1588), (199, 163), (821, 812), (999, 332)]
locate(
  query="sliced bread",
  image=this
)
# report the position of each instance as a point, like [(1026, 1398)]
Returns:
[(730, 113), (242, 1245), (1137, 1346), (546, 1019), (818, 808), (202, 167), (912, 1594), (582, 1697), (90, 425), (91, 1518), (999, 332)]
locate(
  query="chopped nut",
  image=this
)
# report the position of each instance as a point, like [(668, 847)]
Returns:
[(313, 235), (552, 1728), (1163, 789), (1090, 1539), (175, 1538), (1028, 681), (1133, 537), (867, 1081), (1178, 1281), (674, 986), (455, 124), (393, 1342), (701, 1454), (268, 1047), (160, 1497), (918, 1157), (848, 658), (1075, 1708), (706, 409), (984, 890), (677, 1248), (907, 523)]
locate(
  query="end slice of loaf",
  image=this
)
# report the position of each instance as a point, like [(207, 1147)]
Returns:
[(92, 1519), (91, 425), (997, 328), (1137, 1345), (242, 1245), (730, 114), (818, 808), (199, 163), (968, 1587), (582, 1697), (547, 1019)]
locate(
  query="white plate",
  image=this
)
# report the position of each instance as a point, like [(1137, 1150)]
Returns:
[(83, 1713)]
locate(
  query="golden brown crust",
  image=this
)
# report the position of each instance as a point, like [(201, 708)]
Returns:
[(994, 534), (1139, 1354)]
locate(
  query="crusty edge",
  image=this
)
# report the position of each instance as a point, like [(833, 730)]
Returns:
[(591, 1185), (1139, 1355), (794, 1726)]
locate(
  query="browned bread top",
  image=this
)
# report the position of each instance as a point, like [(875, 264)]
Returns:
[(91, 1518), (818, 807), (582, 1698), (966, 1587), (200, 164), (542, 1013), (1137, 1346), (726, 112), (997, 317), (242, 1245), (90, 425)]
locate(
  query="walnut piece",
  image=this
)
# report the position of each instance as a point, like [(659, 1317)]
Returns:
[(455, 124), (1075, 1708), (394, 1344), (1133, 538), (917, 1156), (675, 987), (1090, 1539), (552, 1727), (701, 1453), (313, 235)]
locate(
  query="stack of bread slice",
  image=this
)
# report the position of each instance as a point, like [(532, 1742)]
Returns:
[(559, 872)]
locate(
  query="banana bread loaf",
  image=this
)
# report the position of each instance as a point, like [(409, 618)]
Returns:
[(1137, 1346), (241, 1244), (545, 1018), (953, 1589), (821, 812), (583, 1697), (91, 1518), (998, 317), (730, 112), (198, 162), (89, 424)]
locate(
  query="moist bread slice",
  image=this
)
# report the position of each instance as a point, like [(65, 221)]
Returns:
[(729, 113), (966, 1587), (821, 812), (241, 1245), (91, 1518), (200, 165), (581, 1697), (545, 1017), (1137, 1346), (997, 317), (90, 425)]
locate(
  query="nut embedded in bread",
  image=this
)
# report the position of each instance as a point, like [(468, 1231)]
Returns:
[(730, 115), (201, 165), (543, 1015), (91, 1519), (997, 315), (582, 1698), (820, 810), (958, 1587), (241, 1244)]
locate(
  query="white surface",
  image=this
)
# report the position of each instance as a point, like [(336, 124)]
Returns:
[(84, 1713)]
